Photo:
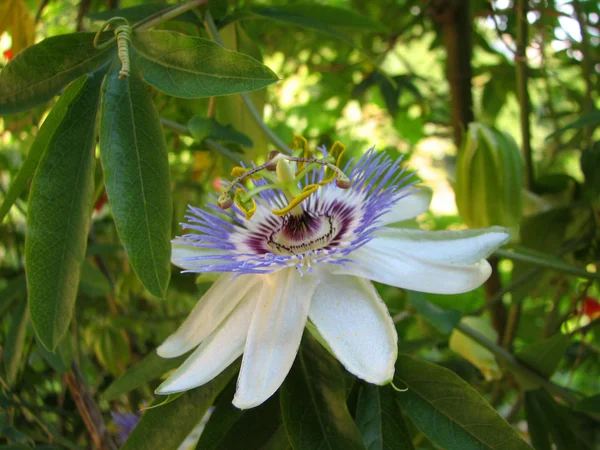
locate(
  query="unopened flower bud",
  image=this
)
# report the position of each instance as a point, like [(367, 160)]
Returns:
[(489, 179)]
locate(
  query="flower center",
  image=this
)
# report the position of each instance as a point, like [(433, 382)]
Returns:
[(301, 234)]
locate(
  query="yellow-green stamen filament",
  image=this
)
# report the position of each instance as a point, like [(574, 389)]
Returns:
[(289, 173)]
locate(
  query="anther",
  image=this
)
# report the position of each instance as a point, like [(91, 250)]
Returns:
[(225, 200)]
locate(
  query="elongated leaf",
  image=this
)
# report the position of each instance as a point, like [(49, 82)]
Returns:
[(314, 16), (92, 281), (15, 339), (547, 261), (313, 402), (190, 67), (166, 427), (231, 109), (380, 420), (536, 424), (589, 404), (202, 128), (148, 369), (233, 429), (15, 288), (134, 157), (449, 411), (46, 132), (557, 420), (443, 321), (137, 13), (36, 74), (544, 355), (591, 119), (59, 213)]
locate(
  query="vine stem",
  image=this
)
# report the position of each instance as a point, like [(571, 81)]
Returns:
[(214, 33)]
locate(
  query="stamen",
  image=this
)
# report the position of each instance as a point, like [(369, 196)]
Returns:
[(290, 171)]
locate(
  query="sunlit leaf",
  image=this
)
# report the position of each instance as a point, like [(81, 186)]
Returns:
[(191, 67), (59, 212), (15, 16), (134, 158), (37, 74), (449, 411), (591, 119)]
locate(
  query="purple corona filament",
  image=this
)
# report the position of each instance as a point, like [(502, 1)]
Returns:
[(333, 223)]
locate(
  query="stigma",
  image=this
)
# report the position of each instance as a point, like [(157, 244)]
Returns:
[(286, 173)]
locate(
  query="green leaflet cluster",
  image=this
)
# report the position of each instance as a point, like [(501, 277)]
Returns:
[(132, 149)]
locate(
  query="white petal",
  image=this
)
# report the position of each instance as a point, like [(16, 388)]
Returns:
[(409, 207), (181, 254), (454, 247), (274, 336), (381, 260), (356, 324), (217, 351), (208, 314)]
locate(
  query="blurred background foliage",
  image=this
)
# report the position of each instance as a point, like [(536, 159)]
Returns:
[(410, 83)]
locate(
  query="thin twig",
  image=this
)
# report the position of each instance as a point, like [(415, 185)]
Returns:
[(88, 410)]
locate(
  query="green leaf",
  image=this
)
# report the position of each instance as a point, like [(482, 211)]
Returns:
[(311, 15), (536, 425), (134, 158), (321, 18), (589, 404), (202, 128), (59, 213), (546, 261), (190, 67), (591, 119), (148, 369), (92, 281), (47, 130), (557, 420), (380, 420), (38, 73), (166, 427), (543, 356), (231, 109), (443, 321), (59, 360), (137, 13), (15, 340), (449, 411), (15, 288), (231, 429), (313, 402)]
